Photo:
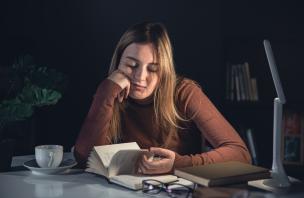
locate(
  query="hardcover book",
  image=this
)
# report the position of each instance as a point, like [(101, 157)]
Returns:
[(222, 173)]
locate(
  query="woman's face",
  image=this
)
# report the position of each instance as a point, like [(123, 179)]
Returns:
[(138, 62)]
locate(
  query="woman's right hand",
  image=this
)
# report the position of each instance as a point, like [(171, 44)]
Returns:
[(121, 76)]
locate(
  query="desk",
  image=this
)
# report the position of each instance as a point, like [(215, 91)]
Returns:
[(74, 183)]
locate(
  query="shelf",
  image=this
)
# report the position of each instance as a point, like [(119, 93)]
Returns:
[(261, 105), (258, 115), (248, 105)]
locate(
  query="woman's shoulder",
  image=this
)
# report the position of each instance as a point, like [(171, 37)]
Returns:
[(188, 94), (187, 90), (186, 85)]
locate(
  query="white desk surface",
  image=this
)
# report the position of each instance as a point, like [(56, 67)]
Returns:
[(73, 183), (76, 183)]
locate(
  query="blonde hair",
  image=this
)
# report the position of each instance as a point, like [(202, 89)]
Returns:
[(166, 113)]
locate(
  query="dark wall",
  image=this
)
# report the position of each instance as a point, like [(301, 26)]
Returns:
[(244, 25), (78, 38), (276, 19)]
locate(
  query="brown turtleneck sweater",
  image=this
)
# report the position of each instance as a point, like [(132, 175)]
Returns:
[(137, 125)]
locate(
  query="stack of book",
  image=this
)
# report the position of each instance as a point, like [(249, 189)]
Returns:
[(240, 86)]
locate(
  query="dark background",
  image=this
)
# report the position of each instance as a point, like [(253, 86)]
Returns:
[(78, 38)]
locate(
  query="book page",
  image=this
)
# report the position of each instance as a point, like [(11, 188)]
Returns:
[(106, 152), (95, 165), (124, 162)]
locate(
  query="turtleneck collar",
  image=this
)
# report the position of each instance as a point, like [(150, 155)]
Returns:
[(145, 101)]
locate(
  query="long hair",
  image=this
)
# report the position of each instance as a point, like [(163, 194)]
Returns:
[(166, 113)]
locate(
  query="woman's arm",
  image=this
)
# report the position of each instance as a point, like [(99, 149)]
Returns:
[(214, 127), (96, 125)]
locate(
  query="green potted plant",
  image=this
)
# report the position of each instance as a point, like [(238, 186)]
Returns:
[(24, 86)]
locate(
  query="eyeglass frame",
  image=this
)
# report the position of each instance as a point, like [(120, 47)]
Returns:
[(164, 186)]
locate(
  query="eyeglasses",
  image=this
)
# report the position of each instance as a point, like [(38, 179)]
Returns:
[(173, 189)]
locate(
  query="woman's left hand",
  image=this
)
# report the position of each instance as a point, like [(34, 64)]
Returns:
[(158, 165)]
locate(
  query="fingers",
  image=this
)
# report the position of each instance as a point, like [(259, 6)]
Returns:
[(124, 94), (121, 95), (127, 91), (147, 165), (123, 80), (123, 68), (124, 72), (153, 167), (120, 78), (142, 166), (161, 152), (146, 168)]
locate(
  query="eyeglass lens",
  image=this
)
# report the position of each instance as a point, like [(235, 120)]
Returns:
[(173, 190)]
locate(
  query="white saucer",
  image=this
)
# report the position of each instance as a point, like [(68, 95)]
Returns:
[(33, 166)]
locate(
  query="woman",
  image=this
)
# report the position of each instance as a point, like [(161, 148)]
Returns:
[(143, 100)]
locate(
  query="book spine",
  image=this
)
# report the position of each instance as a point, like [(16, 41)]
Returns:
[(247, 81), (255, 89), (244, 79), (241, 81), (193, 178), (228, 82), (242, 66), (251, 145), (232, 83), (237, 83)]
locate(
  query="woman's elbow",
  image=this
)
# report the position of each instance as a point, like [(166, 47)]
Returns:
[(245, 156), (80, 159)]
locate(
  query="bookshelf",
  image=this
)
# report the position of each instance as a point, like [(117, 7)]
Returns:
[(293, 141), (257, 115), (293, 137)]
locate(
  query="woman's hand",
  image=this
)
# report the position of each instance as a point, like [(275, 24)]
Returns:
[(121, 76), (158, 165)]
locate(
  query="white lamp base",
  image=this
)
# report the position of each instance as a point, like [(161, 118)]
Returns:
[(277, 181)]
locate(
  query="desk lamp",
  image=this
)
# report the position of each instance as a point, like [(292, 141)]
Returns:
[(279, 177)]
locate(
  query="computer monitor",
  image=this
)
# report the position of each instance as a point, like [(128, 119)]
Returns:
[(279, 177)]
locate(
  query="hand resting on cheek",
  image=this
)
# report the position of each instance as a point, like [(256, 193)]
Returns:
[(121, 76)]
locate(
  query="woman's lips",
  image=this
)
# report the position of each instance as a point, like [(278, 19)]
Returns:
[(138, 87)]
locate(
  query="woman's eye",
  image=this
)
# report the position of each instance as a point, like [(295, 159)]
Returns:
[(132, 64), (153, 68)]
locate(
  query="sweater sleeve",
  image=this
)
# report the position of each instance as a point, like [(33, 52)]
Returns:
[(213, 126), (95, 127)]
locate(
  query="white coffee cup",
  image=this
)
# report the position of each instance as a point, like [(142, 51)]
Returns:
[(48, 156)]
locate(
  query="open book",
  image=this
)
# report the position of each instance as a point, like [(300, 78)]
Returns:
[(117, 162)]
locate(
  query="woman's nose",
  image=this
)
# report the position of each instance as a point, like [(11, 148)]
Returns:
[(140, 74)]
